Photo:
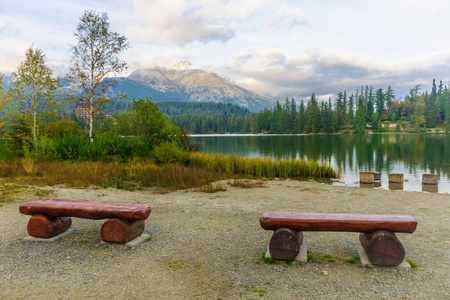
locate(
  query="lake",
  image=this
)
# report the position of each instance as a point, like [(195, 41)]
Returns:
[(409, 154)]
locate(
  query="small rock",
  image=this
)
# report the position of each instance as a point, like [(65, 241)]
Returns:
[(324, 273)]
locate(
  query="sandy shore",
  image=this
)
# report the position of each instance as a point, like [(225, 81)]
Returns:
[(208, 246)]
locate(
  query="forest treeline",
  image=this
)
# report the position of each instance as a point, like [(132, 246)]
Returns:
[(365, 109)]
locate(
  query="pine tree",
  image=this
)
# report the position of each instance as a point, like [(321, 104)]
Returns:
[(313, 117), (301, 118), (380, 102), (350, 109), (293, 116), (340, 110), (431, 109), (360, 119), (389, 97), (370, 105)]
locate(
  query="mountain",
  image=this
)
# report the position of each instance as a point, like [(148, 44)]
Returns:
[(185, 84)]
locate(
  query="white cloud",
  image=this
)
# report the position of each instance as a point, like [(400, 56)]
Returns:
[(278, 47), (181, 22), (324, 75)]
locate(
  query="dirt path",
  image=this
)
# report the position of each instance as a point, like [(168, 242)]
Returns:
[(209, 246)]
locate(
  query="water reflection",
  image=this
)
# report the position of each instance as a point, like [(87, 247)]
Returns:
[(409, 154), (431, 188), (396, 185)]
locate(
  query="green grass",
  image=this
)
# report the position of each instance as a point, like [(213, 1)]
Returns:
[(268, 260), (130, 175), (328, 258), (199, 170), (353, 260), (311, 257), (412, 264), (262, 167)]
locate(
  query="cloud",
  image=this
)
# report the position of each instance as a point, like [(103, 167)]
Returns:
[(183, 22), (280, 76), (286, 16)]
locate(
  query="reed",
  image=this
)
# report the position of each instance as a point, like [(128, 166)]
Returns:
[(28, 164), (262, 167), (126, 175), (198, 170)]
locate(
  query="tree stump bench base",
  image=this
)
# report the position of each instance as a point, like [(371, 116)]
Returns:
[(365, 261), (301, 257), (377, 233), (51, 217), (31, 238), (134, 242)]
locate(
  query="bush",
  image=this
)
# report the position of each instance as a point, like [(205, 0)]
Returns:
[(19, 138), (70, 147), (62, 128), (170, 152)]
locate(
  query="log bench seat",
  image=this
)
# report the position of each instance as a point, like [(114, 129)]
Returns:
[(377, 232), (51, 217)]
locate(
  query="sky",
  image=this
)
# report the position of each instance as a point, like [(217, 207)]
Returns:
[(274, 47)]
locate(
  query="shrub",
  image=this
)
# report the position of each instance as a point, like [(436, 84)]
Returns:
[(170, 152), (19, 137), (70, 147), (62, 128)]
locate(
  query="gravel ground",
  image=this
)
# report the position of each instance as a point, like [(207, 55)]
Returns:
[(209, 246)]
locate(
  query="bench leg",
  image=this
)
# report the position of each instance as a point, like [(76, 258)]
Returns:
[(285, 244), (46, 227), (121, 231), (383, 248)]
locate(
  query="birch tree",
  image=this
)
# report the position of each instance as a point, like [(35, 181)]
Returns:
[(3, 101), (34, 91), (94, 59)]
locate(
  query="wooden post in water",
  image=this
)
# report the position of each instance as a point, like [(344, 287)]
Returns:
[(430, 178), (366, 177), (377, 175), (396, 178)]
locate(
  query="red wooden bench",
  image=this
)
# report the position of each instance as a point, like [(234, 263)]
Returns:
[(377, 232), (51, 217)]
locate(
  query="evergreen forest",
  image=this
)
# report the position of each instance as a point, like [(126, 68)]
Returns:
[(365, 110)]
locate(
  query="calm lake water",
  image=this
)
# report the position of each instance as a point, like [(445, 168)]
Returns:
[(410, 154)]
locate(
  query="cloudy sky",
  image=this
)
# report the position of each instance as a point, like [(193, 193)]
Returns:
[(279, 48)]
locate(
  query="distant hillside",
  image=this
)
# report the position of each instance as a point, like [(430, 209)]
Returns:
[(205, 109), (207, 117), (183, 84)]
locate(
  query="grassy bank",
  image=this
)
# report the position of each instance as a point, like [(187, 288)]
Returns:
[(263, 167), (197, 170)]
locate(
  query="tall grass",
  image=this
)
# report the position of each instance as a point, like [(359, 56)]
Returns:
[(194, 170), (262, 167), (139, 172)]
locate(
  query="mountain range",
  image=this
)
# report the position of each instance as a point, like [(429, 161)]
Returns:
[(185, 84), (180, 83)]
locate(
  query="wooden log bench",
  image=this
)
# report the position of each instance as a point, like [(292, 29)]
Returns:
[(377, 232), (51, 217)]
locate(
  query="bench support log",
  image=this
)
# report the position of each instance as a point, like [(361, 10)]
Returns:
[(121, 231), (285, 243), (383, 248), (46, 227)]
